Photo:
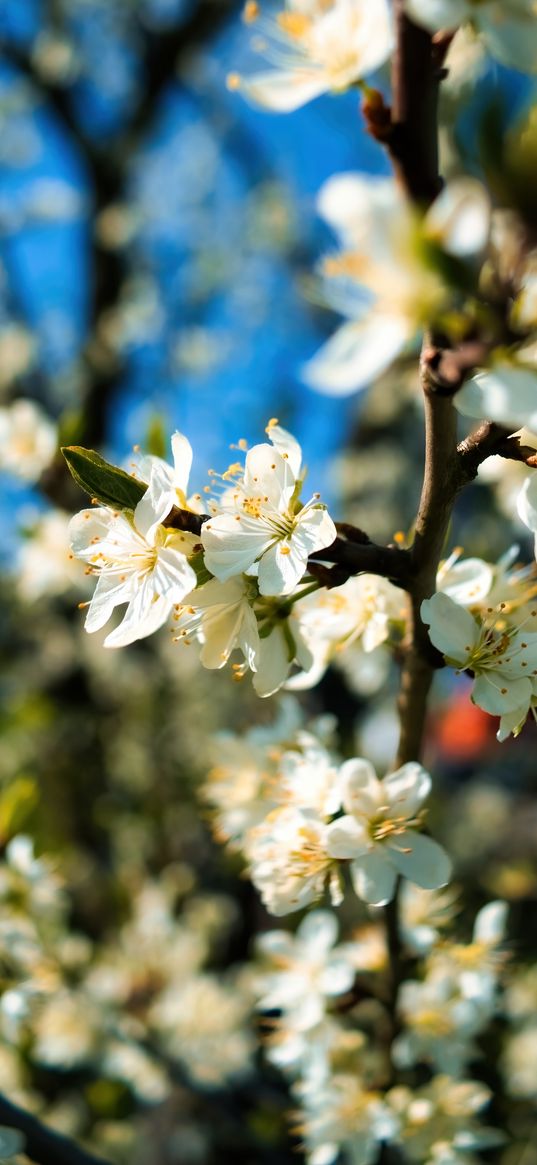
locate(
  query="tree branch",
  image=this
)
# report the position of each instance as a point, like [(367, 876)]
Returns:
[(44, 1145), (352, 558), (491, 440), (413, 142), (448, 368)]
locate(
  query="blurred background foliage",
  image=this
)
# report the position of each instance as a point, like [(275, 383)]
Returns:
[(157, 242)]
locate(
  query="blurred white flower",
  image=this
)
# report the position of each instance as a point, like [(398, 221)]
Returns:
[(28, 439), (66, 1028), (439, 1025), (519, 1062), (205, 1024), (423, 913), (45, 563), (505, 393), (360, 612), (343, 1115), (301, 973), (437, 1122), (506, 27), (385, 280), (289, 861), (316, 46), (456, 999)]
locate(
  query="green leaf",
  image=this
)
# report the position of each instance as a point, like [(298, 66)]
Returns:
[(109, 485)]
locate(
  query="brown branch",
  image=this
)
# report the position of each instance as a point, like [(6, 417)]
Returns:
[(448, 368), (491, 440), (352, 558), (44, 1145), (416, 78)]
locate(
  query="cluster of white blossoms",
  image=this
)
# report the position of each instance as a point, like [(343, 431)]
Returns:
[(67, 1003), (301, 819), (308, 983), (454, 1002), (250, 557)]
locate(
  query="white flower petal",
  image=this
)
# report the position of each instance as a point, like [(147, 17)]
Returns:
[(359, 207), (144, 615), (452, 629), (232, 544), (109, 593), (361, 789), (272, 663), (356, 354), (87, 529), (346, 838), (406, 790), (282, 91), (182, 460), (319, 932), (281, 568), (459, 219), (497, 695), (527, 503), (420, 859), (467, 582), (490, 923), (156, 502), (269, 475), (506, 393), (287, 446), (438, 14), (374, 877)]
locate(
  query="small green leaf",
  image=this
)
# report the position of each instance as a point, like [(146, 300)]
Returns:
[(109, 485)]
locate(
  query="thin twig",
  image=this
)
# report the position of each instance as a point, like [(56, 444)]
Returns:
[(44, 1145), (491, 440)]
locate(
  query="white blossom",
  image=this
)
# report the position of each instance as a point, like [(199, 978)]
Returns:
[(437, 1122), (138, 562), (359, 613), (456, 999), (343, 1114), (45, 563), (383, 280), (316, 46), (264, 523), (423, 914), (503, 658), (439, 1025), (289, 861), (231, 615), (204, 1024), (28, 439), (527, 506), (379, 831), (301, 973), (506, 27)]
